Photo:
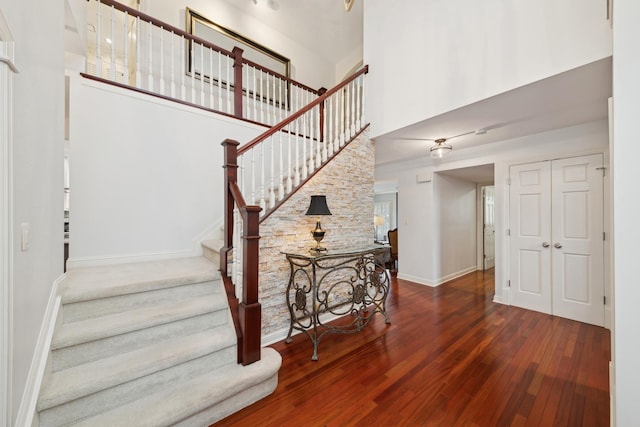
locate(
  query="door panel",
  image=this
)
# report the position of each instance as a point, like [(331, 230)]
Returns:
[(530, 259), (578, 250), (557, 249)]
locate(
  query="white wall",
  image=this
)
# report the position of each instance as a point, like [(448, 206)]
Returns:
[(626, 174), (307, 67), (146, 174), (418, 208), (431, 57), (455, 202), (38, 136)]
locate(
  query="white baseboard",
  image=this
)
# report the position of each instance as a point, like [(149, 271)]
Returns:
[(455, 275), (439, 281), (415, 279), (27, 408), (127, 259)]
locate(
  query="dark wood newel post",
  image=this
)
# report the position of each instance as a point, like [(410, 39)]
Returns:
[(230, 176), (250, 309), (321, 92), (237, 81)]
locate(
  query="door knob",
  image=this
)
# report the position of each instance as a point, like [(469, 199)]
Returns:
[(545, 244), (557, 245)]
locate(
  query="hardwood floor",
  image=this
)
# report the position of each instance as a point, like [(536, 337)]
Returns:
[(451, 357)]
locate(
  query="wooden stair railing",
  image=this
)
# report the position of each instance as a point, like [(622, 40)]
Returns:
[(325, 127), (152, 57)]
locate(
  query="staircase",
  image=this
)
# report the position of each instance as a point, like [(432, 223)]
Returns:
[(148, 344)]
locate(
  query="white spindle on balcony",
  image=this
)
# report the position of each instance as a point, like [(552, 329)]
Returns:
[(112, 46), (125, 47), (99, 40), (172, 86), (150, 62)]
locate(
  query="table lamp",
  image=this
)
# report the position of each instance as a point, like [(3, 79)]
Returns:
[(318, 206), (377, 222)]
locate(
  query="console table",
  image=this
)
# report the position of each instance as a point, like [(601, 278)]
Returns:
[(351, 283)]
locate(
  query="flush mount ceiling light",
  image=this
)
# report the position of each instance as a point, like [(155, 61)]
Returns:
[(348, 4), (439, 150)]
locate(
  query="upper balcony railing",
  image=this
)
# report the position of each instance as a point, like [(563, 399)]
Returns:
[(130, 48)]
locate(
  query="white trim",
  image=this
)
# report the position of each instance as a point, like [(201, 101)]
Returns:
[(455, 275), (416, 279), (6, 221), (29, 400)]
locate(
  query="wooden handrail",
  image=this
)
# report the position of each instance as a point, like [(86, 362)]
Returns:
[(146, 18), (278, 127)]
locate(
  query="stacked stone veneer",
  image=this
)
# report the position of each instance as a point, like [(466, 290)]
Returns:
[(347, 181)]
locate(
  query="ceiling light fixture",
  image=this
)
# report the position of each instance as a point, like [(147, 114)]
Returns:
[(348, 4), (439, 150)]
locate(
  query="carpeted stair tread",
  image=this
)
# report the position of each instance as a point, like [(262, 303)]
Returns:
[(83, 331), (87, 283), (213, 244), (183, 400), (73, 383)]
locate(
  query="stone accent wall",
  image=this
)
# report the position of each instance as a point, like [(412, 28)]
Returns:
[(347, 181)]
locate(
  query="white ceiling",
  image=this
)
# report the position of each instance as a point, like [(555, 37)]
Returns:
[(570, 98)]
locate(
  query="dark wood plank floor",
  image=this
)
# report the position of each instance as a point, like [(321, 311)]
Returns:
[(451, 357)]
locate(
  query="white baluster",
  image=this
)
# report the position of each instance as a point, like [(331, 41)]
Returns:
[(255, 95), (162, 83), (281, 180), (183, 89), (325, 130), (362, 120), (112, 46), (98, 40), (246, 99), (220, 81), (262, 99), (322, 131), (358, 103), (280, 106), (126, 49), (353, 108), (289, 162), (192, 63), (306, 169), (337, 122), (263, 203), (315, 124), (269, 103), (313, 148), (328, 136), (347, 115), (228, 85), (138, 60), (150, 76), (342, 118), (296, 141), (253, 176), (202, 75), (211, 79), (272, 187), (173, 67)]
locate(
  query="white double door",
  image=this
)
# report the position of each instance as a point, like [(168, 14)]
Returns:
[(556, 244)]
